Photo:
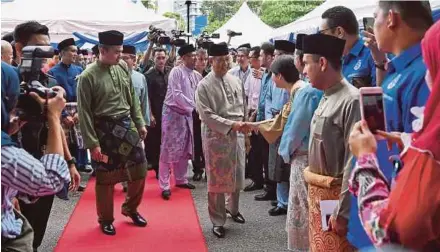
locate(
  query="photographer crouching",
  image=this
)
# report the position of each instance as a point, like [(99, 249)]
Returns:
[(32, 136), (22, 174)]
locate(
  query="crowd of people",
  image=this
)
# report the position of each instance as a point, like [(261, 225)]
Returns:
[(286, 116)]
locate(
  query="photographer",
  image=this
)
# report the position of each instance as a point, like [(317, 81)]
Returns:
[(22, 173), (28, 34), (147, 62)]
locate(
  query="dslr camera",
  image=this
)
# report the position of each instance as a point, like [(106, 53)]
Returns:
[(204, 40), (158, 36), (28, 109)]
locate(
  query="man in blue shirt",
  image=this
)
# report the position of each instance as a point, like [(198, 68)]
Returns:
[(277, 97), (266, 59), (66, 73), (358, 66)]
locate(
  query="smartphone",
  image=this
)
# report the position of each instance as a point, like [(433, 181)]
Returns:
[(372, 108), (368, 23), (361, 81)]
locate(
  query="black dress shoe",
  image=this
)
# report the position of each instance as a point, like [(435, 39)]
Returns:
[(277, 211), (274, 203), (237, 218), (166, 194), (81, 188), (252, 187), (108, 229), (198, 176), (137, 219), (219, 232), (265, 196), (186, 186)]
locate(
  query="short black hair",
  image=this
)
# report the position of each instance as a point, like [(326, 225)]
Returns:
[(256, 50), (343, 17), (335, 63), (159, 49), (8, 37), (268, 48), (23, 32), (300, 54), (285, 65), (416, 14)]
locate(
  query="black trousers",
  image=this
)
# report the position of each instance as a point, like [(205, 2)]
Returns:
[(152, 144), (255, 160), (199, 160), (37, 215)]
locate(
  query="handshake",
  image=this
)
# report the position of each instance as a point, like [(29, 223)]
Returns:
[(244, 127)]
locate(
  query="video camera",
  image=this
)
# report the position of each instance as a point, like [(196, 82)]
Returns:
[(204, 40), (28, 109), (158, 36), (176, 40), (231, 33)]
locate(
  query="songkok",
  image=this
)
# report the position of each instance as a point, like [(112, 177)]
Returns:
[(84, 52), (111, 38), (285, 65), (284, 45), (66, 43), (188, 48), (299, 41), (95, 50), (324, 45), (220, 49), (56, 52), (247, 45), (129, 49)]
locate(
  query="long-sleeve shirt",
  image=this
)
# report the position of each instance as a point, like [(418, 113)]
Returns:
[(22, 173), (329, 152), (105, 90), (358, 64), (66, 77), (220, 102), (266, 84), (157, 89), (141, 88), (240, 74), (182, 84), (404, 88), (275, 100), (252, 88), (297, 129)]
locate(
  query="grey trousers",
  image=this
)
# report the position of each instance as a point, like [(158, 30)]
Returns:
[(218, 203)]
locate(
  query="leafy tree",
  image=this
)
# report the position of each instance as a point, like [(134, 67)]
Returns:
[(274, 13), (177, 17), (149, 4)]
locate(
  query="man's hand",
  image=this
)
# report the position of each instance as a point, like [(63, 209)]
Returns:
[(76, 118), (75, 178), (339, 225), (153, 121), (257, 73), (68, 121), (15, 124), (236, 126), (370, 42), (55, 105), (143, 132), (15, 204), (96, 154), (253, 117)]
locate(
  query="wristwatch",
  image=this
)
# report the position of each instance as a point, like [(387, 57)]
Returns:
[(381, 65), (71, 161)]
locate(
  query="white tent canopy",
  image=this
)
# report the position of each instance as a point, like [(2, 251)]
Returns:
[(310, 22), (63, 17), (249, 24)]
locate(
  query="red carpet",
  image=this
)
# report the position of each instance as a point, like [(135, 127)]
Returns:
[(172, 225)]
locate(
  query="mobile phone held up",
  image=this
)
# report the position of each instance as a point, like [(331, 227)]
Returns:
[(372, 108), (368, 23)]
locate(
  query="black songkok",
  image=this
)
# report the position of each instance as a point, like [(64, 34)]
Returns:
[(66, 43), (188, 48), (129, 49), (284, 45), (111, 38), (324, 45), (247, 45), (218, 49)]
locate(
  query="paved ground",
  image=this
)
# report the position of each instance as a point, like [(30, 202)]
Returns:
[(261, 232)]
